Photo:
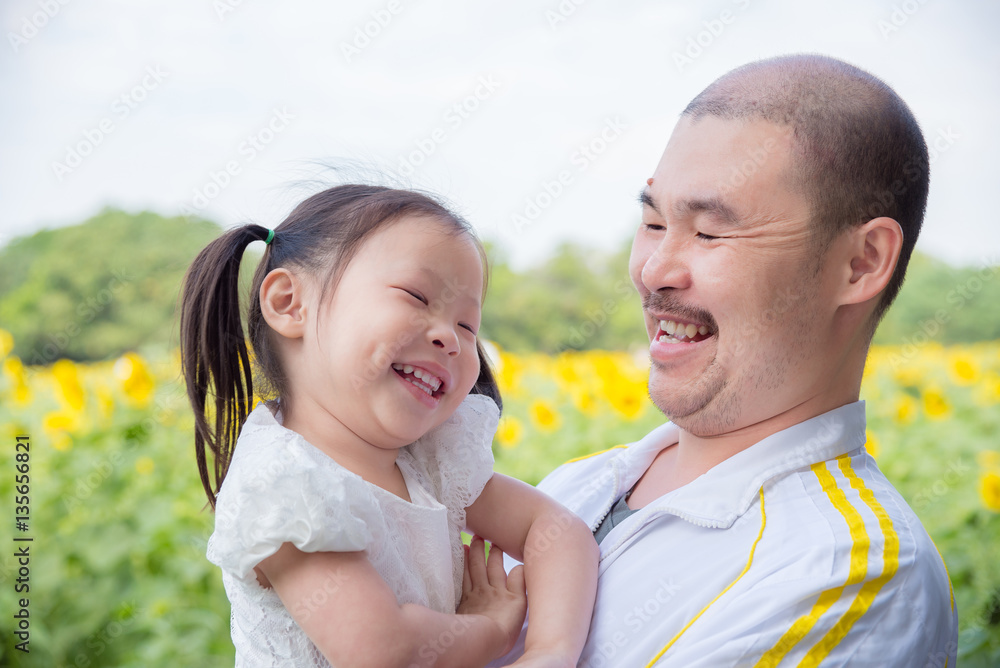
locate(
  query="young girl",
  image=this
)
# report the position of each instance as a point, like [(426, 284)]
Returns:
[(339, 505)]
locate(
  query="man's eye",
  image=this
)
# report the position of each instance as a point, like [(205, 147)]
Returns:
[(705, 237), (654, 227)]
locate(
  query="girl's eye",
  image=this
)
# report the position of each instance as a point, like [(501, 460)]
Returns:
[(416, 295), (462, 324)]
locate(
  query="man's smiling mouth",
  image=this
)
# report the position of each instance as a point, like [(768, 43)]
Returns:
[(672, 331)]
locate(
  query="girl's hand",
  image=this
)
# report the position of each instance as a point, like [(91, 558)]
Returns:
[(489, 591)]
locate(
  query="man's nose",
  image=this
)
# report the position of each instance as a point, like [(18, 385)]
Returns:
[(667, 267)]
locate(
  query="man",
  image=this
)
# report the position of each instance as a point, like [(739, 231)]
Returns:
[(753, 529)]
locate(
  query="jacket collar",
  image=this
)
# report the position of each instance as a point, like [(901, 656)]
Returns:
[(721, 495)]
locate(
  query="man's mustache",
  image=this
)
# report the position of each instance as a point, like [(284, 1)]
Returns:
[(669, 303)]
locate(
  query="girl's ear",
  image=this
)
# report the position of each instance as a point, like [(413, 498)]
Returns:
[(283, 303), (873, 249)]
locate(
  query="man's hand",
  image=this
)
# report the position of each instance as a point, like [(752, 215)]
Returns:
[(489, 591)]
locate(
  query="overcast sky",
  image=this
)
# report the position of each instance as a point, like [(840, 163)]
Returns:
[(539, 121)]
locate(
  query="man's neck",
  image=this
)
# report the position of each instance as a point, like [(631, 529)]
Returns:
[(693, 456)]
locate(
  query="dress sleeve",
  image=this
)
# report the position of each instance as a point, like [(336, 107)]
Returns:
[(274, 493), (458, 455)]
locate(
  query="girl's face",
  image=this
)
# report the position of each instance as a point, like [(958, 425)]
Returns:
[(395, 348)]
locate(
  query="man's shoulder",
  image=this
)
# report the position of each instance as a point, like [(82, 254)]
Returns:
[(587, 465), (594, 459), (856, 527), (850, 491), (584, 468)]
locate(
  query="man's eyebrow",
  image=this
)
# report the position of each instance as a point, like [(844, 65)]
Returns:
[(646, 199), (713, 206)]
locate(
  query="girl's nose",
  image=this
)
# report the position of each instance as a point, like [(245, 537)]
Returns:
[(446, 338)]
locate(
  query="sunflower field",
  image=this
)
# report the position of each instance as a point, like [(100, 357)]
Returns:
[(116, 527)]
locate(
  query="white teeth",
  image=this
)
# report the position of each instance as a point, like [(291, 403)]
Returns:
[(420, 386), (681, 331), (429, 383)]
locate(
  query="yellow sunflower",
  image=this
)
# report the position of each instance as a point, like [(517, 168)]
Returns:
[(989, 490)]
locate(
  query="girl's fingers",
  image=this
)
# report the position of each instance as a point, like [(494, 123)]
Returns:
[(466, 578), (494, 567), (515, 581), (477, 563)]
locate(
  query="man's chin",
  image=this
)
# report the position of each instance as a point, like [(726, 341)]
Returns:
[(698, 415), (701, 425)]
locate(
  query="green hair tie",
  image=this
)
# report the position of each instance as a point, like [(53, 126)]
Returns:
[(270, 237)]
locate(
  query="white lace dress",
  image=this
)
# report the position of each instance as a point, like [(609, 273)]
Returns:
[(280, 489)]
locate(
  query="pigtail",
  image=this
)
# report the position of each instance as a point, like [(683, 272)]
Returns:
[(486, 384), (214, 352)]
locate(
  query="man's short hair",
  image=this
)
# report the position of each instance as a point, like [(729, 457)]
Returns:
[(858, 152)]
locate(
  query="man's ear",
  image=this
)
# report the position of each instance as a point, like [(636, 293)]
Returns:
[(872, 251), (283, 303)]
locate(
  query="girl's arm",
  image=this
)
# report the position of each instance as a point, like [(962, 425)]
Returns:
[(560, 565), (352, 616)]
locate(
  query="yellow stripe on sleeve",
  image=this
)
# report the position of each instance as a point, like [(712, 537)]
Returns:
[(866, 595), (860, 544), (753, 548), (593, 454)]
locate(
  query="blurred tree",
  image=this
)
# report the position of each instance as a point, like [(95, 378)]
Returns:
[(579, 299), (942, 303), (94, 290)]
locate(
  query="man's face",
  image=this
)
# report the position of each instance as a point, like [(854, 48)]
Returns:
[(737, 304)]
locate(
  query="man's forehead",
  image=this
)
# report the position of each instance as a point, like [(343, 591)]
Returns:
[(739, 133), (725, 153), (734, 171)]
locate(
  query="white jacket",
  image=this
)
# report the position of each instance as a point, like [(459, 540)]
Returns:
[(794, 552)]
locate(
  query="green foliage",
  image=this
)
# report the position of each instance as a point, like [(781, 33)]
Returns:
[(118, 575), (938, 459), (94, 290), (942, 303), (579, 299)]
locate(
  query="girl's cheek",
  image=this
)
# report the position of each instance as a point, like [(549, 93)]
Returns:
[(419, 321)]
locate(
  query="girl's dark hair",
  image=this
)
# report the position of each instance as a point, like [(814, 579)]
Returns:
[(319, 237)]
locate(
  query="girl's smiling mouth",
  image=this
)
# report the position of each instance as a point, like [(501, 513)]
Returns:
[(420, 378)]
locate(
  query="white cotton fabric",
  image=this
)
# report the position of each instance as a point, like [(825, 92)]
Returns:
[(280, 489)]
